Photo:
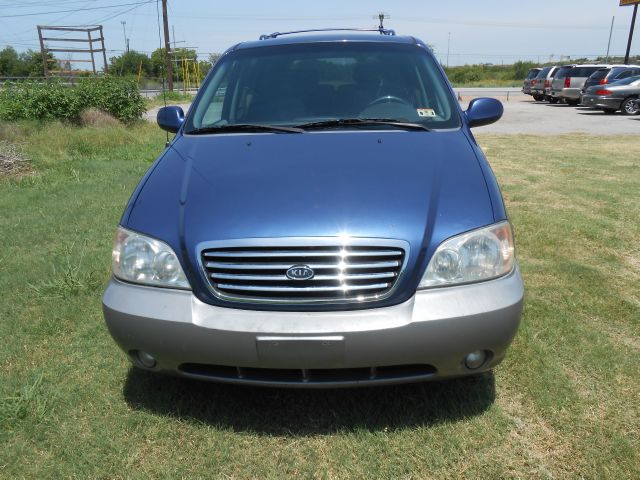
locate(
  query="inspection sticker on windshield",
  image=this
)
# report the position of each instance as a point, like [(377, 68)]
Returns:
[(426, 112)]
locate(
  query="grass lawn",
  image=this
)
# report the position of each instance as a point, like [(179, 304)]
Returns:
[(564, 404), (489, 83), (171, 98)]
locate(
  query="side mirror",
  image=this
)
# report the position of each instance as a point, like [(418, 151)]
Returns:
[(484, 111), (170, 118)]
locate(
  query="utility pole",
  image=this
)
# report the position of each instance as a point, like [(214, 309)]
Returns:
[(124, 34), (448, 47), (173, 57), (167, 47), (610, 33), (633, 26)]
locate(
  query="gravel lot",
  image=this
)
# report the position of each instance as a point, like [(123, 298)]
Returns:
[(522, 115)]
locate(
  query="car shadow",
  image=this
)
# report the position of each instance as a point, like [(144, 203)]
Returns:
[(272, 411), (596, 112)]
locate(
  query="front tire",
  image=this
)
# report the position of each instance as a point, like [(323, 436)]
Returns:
[(553, 100), (538, 98), (629, 107)]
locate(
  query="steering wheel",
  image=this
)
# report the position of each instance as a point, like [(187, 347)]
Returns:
[(388, 99)]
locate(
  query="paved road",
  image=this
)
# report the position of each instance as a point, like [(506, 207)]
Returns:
[(529, 117), (523, 115), (502, 93)]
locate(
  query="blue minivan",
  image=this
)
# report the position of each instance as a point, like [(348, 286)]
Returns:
[(323, 217)]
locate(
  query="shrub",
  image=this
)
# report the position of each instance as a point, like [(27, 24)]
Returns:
[(118, 97), (34, 100), (53, 100)]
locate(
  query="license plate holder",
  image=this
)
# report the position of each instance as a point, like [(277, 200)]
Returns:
[(301, 352)]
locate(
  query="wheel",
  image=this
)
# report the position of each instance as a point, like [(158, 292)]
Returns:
[(609, 111), (388, 99), (537, 97), (572, 102), (630, 107), (553, 100)]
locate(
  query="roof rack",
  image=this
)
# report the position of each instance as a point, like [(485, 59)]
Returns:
[(381, 31)]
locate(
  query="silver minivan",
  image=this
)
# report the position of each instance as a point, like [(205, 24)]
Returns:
[(568, 82), (541, 90), (531, 75)]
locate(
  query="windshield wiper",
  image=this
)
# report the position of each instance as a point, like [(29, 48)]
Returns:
[(363, 122), (245, 127)]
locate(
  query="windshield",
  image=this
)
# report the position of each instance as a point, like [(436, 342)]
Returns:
[(544, 72), (290, 85), (532, 73), (583, 71), (563, 71), (626, 81), (600, 74)]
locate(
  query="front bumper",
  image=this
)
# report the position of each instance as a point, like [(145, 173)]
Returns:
[(424, 338), (598, 101)]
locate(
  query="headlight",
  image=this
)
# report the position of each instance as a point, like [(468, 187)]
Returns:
[(141, 259), (475, 256)]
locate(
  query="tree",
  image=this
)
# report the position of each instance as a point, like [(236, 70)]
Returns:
[(178, 55), (25, 64), (203, 67), (130, 63), (9, 62), (520, 69), (157, 62)]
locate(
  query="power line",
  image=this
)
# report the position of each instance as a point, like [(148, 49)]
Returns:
[(40, 4), (77, 9), (122, 12)]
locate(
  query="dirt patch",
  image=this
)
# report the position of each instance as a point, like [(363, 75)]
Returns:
[(12, 161), (92, 117)]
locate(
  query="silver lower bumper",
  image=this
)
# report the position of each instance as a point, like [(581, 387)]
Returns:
[(424, 338), (570, 93)]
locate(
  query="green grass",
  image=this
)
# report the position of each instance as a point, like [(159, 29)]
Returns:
[(564, 404), (489, 83), (172, 98)]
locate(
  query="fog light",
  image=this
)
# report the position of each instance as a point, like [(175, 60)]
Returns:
[(475, 359), (145, 359)]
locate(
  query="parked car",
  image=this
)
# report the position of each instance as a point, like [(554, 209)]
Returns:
[(328, 220), (604, 76), (621, 95), (531, 75), (609, 75), (568, 82), (541, 89)]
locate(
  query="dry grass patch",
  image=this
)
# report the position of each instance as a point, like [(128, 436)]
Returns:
[(12, 161), (92, 117)]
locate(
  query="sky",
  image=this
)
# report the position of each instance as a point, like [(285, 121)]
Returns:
[(461, 32)]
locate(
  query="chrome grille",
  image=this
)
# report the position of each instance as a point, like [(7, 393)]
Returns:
[(361, 270)]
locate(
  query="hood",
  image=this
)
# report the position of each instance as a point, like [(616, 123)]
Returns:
[(413, 186)]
